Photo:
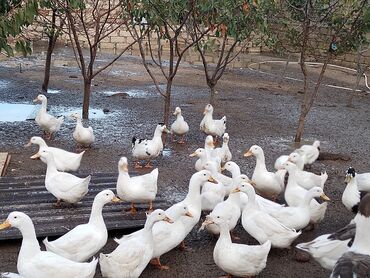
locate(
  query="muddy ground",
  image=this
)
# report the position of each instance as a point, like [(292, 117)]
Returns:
[(259, 111)]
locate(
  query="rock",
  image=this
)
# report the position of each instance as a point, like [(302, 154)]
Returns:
[(73, 76), (105, 110), (302, 257)]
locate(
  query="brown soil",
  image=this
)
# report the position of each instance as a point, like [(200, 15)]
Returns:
[(259, 111)]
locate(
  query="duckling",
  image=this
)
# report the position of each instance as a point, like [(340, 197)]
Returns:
[(48, 123), (64, 161), (179, 127), (83, 136), (85, 240), (34, 263), (134, 252), (268, 184), (136, 189), (64, 186), (210, 126), (237, 259), (148, 149), (309, 153)]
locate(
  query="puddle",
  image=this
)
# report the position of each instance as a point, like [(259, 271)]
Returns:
[(167, 152), (4, 84), (17, 112), (66, 112), (123, 73), (135, 93), (51, 91)]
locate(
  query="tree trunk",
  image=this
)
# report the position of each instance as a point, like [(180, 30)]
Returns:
[(212, 96), (52, 40), (301, 123), (51, 44), (167, 103), (86, 100), (353, 93)]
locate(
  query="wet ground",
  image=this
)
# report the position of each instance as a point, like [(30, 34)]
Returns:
[(259, 111)]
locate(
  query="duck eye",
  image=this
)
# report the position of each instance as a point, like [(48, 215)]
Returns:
[(218, 216), (15, 217), (204, 174)]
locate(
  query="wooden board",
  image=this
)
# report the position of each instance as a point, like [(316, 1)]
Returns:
[(29, 195), (4, 162)]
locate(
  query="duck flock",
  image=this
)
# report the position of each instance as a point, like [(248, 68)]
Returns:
[(224, 199)]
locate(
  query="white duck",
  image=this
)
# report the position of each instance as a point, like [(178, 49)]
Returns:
[(63, 186), (212, 193), (293, 157), (309, 153), (262, 226), (210, 126), (83, 136), (267, 183), (34, 263), (136, 189), (64, 161), (224, 152), (167, 236), (351, 196), (202, 158), (294, 194), (193, 200), (307, 179), (363, 181), (299, 217), (134, 252), (179, 127), (237, 259), (85, 240), (147, 149), (48, 123), (327, 249), (356, 261), (219, 177), (229, 210)]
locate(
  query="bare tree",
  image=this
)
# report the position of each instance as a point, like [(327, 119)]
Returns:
[(317, 30), (91, 23), (234, 24), (165, 35)]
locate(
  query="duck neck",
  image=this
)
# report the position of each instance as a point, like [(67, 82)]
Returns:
[(96, 215), (235, 171), (79, 122), (44, 104), (251, 199), (234, 198), (149, 223), (194, 192), (157, 134), (361, 243), (260, 161), (307, 199), (51, 167), (179, 116), (42, 144), (224, 233), (30, 245)]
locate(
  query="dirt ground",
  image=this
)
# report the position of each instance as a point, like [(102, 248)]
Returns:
[(259, 111)]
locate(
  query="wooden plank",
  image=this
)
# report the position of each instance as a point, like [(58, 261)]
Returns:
[(4, 162), (29, 195)]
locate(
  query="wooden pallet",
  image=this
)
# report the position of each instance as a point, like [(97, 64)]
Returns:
[(4, 162), (29, 195)]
